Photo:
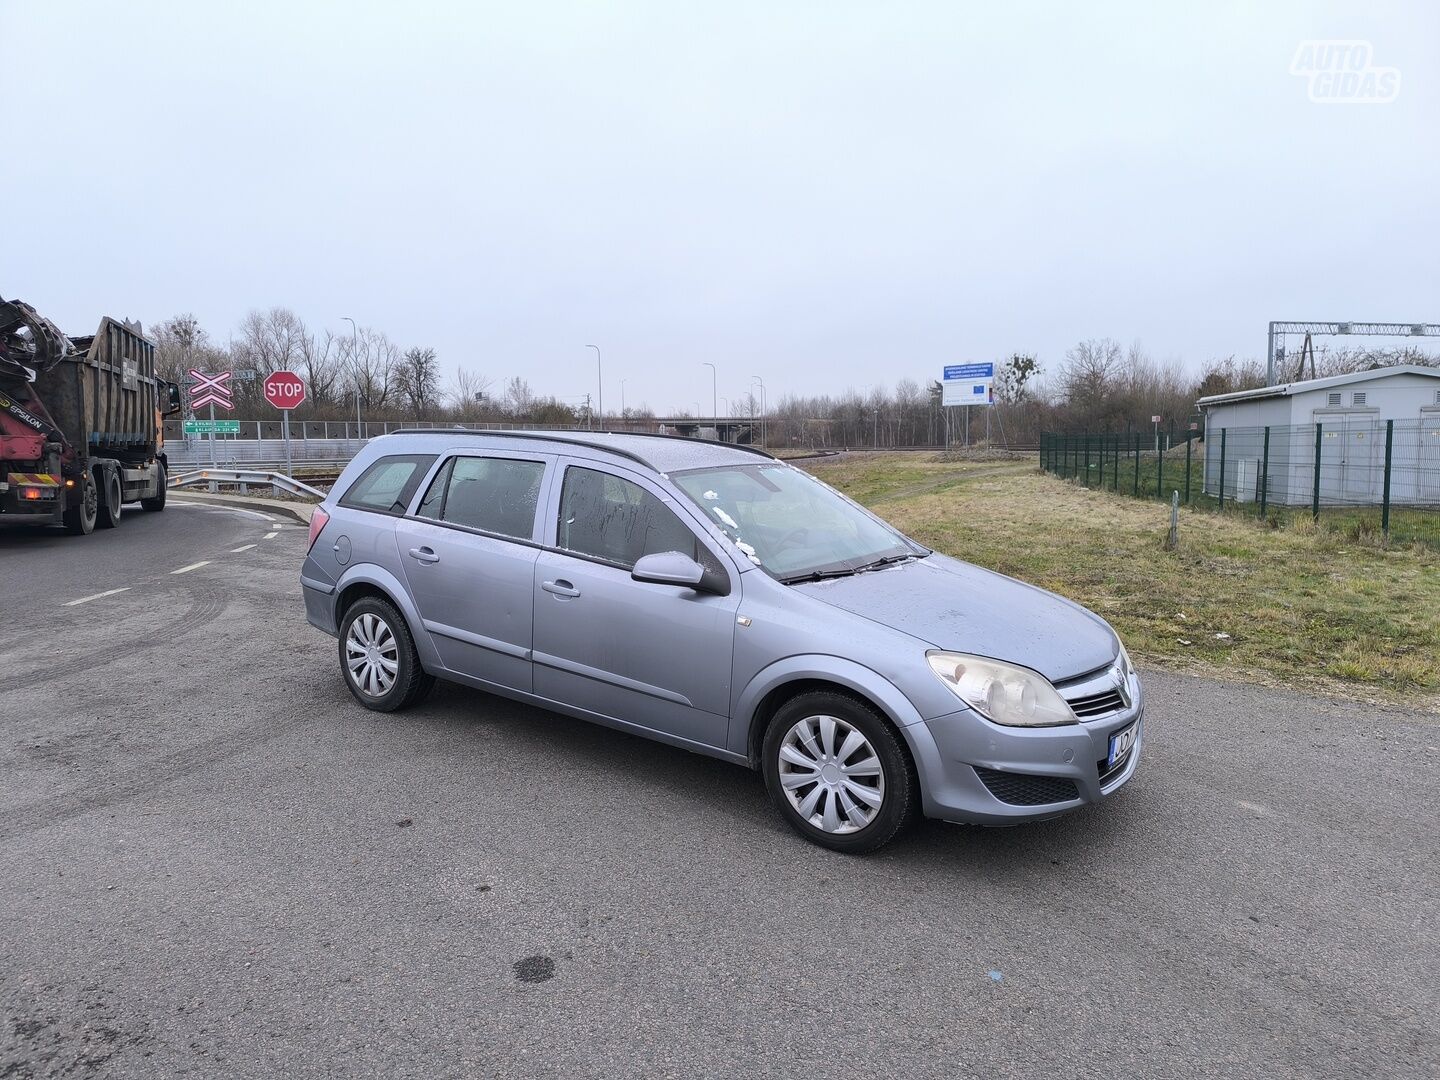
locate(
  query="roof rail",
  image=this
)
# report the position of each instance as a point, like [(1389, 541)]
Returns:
[(686, 438), (533, 436), (593, 444)]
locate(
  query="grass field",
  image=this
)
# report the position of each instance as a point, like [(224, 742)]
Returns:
[(1325, 607)]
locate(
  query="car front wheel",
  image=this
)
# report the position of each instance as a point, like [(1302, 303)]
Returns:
[(838, 773)]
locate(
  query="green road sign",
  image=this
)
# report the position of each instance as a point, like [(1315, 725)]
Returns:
[(217, 427)]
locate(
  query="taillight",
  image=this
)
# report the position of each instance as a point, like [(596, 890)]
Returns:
[(319, 518)]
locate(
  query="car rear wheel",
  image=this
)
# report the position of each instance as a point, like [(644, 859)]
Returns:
[(378, 657), (838, 773)]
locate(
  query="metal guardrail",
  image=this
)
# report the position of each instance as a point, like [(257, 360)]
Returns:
[(243, 478), (335, 465), (228, 453)]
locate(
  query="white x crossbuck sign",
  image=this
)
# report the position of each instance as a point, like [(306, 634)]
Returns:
[(210, 389)]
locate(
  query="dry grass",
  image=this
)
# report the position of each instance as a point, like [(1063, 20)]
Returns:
[(1298, 605)]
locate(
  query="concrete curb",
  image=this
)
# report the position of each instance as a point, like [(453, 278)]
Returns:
[(294, 511)]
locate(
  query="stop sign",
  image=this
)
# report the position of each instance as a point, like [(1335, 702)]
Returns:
[(284, 389)]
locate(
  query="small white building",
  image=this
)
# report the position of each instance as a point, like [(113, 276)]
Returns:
[(1351, 411)]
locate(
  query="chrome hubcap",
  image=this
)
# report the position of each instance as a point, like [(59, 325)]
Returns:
[(372, 655), (831, 774)]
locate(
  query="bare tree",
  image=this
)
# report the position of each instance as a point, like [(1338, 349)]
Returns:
[(320, 364), (271, 340), (466, 394), (181, 343), (417, 380), (370, 359), (1012, 382), (519, 398)]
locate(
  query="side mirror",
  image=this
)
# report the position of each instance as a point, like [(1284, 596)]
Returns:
[(172, 396), (670, 568)]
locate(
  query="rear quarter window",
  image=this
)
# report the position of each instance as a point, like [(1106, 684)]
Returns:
[(388, 484)]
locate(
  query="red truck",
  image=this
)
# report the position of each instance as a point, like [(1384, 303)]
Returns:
[(81, 422)]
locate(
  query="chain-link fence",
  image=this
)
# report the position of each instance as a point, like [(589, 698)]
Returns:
[(1358, 473)]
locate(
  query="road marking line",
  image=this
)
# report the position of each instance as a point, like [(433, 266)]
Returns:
[(271, 535), (192, 566), (97, 596), (236, 551), (222, 508)]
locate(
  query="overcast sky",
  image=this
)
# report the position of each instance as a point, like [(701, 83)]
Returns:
[(827, 195)]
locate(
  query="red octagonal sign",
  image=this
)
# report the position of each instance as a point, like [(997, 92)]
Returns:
[(284, 389)]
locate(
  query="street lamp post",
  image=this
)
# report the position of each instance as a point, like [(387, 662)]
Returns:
[(714, 399), (875, 434), (354, 353), (599, 386), (761, 381), (622, 400)]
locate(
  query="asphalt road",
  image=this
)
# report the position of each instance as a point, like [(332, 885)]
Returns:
[(213, 863)]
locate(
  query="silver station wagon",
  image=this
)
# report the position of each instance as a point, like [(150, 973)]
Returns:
[(715, 598)]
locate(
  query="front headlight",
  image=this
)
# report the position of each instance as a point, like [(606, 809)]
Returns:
[(1007, 694)]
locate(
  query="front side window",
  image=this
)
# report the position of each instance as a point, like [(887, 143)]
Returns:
[(607, 517), (388, 484), (791, 525), (494, 495)]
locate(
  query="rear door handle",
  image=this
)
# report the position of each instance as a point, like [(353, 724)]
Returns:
[(560, 587), (424, 554)]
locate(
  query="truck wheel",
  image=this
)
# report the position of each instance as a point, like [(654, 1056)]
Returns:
[(80, 518), (109, 515), (157, 501)]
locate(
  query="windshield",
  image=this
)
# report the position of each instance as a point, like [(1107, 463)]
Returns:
[(791, 525)]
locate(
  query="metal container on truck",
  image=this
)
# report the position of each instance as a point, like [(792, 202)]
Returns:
[(81, 422)]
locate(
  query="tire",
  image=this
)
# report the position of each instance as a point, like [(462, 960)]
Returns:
[(838, 808), (80, 518), (369, 622), (109, 515), (156, 502)]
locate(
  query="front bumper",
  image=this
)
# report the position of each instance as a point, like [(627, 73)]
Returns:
[(978, 772)]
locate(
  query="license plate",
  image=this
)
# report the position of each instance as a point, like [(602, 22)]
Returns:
[(1121, 742)]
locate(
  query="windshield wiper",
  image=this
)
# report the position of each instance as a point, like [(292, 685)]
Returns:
[(888, 560), (817, 575), (874, 564)]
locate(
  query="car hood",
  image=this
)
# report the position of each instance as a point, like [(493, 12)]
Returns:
[(960, 607)]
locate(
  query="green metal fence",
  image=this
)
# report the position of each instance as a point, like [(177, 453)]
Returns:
[(1357, 472)]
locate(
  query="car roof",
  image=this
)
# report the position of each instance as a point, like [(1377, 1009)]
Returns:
[(660, 453)]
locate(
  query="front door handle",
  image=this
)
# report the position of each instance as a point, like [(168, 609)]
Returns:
[(424, 554), (560, 587)]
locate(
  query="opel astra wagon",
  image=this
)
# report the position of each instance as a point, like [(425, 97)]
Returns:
[(715, 598)]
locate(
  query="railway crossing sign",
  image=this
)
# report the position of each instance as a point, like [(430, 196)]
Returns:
[(284, 389), (210, 389)]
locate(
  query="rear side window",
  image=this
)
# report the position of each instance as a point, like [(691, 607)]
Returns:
[(388, 484), (494, 495), (609, 518)]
